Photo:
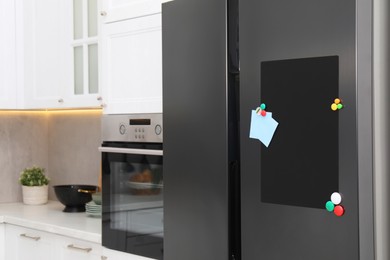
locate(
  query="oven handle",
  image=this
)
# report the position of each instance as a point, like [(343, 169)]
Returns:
[(130, 151)]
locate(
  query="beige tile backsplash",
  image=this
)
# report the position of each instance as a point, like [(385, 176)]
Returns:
[(65, 143)]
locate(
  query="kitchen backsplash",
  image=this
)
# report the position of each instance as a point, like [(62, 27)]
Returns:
[(63, 142)]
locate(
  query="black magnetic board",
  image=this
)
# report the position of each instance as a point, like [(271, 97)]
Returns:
[(300, 167)]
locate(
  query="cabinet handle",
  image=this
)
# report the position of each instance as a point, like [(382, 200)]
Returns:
[(103, 13), (30, 237), (85, 249), (99, 98), (60, 100), (103, 257)]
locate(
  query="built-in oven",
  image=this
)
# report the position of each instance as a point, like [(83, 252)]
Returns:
[(132, 184)]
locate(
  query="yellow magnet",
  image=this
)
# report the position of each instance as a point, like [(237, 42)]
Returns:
[(333, 107)]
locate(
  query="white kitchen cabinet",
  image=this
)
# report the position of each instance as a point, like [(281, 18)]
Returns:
[(61, 53), (2, 242), (109, 254), (132, 65), (40, 59), (8, 91), (57, 54), (118, 10), (82, 54), (28, 244)]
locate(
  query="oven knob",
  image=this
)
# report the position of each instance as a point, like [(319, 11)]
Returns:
[(157, 129), (122, 129)]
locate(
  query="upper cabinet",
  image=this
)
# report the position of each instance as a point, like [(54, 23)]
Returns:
[(81, 53), (50, 54), (60, 53), (41, 76), (117, 10), (131, 74), (82, 57)]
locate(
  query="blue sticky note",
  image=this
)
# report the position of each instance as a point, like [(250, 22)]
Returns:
[(263, 127)]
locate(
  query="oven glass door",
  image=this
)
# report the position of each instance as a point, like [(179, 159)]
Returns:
[(132, 186)]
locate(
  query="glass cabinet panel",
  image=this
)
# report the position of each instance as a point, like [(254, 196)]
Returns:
[(92, 18), (93, 68), (77, 19), (85, 47), (78, 70)]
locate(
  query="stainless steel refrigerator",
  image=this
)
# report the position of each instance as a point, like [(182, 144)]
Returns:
[(276, 129)]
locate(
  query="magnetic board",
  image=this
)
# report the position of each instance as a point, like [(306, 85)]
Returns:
[(301, 165)]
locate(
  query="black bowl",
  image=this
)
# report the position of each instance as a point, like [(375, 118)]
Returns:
[(74, 197)]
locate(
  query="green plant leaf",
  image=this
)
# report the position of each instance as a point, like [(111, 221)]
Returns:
[(33, 176)]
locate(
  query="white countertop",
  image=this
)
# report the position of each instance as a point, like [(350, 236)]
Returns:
[(50, 218)]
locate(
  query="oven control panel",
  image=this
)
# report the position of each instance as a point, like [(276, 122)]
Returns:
[(132, 128)]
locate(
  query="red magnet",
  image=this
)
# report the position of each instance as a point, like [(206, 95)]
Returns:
[(339, 210), (263, 112)]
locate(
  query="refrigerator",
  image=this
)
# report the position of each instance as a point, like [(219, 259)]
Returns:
[(276, 138)]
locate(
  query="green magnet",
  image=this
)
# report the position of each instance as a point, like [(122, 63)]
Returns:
[(263, 106), (339, 106), (329, 206)]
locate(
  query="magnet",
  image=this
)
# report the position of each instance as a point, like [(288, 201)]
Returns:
[(263, 106), (337, 105), (263, 113), (336, 198), (329, 206), (339, 210)]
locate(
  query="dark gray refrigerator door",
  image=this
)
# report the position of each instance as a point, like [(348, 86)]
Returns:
[(298, 57), (195, 130)]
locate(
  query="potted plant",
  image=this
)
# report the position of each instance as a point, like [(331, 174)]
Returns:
[(34, 186)]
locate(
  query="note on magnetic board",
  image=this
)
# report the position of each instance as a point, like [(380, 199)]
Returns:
[(263, 127)]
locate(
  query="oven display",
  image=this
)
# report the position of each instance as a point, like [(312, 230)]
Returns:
[(140, 121)]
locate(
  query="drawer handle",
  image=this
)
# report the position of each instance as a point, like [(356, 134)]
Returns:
[(103, 257), (30, 237), (85, 249)]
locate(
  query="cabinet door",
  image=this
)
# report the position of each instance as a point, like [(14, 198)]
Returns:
[(75, 249), (132, 65), (43, 45), (2, 242), (27, 244), (81, 54), (8, 55), (117, 10), (109, 254), (60, 53)]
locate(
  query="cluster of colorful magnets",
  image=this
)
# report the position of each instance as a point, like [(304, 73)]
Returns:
[(334, 204), (261, 110), (337, 104)]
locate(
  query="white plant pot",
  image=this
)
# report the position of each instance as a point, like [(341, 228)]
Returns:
[(35, 195)]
